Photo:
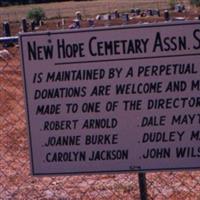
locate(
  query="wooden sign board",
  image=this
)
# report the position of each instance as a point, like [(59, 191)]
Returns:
[(113, 99)]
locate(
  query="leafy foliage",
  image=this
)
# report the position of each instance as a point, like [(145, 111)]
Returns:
[(195, 2), (36, 14), (172, 4)]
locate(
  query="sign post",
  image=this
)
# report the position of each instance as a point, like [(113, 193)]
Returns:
[(114, 99), (142, 185)]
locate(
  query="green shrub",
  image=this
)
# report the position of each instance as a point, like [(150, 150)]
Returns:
[(36, 14), (172, 4), (195, 2)]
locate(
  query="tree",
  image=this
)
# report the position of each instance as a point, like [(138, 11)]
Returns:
[(172, 4), (195, 2), (36, 14)]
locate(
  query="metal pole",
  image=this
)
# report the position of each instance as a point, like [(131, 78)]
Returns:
[(142, 185)]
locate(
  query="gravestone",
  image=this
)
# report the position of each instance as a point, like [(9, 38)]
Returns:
[(6, 29), (63, 23), (90, 22), (116, 14), (137, 11), (179, 8), (24, 25), (32, 25), (78, 15), (98, 17), (109, 17), (157, 12), (125, 17), (149, 12), (166, 15)]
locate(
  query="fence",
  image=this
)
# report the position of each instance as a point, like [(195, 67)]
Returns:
[(16, 183)]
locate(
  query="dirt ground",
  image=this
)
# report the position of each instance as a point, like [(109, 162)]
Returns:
[(16, 183)]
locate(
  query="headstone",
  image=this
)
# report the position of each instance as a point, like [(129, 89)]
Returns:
[(78, 15), (157, 12), (24, 25), (137, 11), (41, 23), (116, 14), (90, 22), (59, 24), (179, 7), (150, 12), (32, 25), (98, 17), (143, 14), (6, 29), (125, 17), (166, 15), (109, 17), (132, 10), (77, 23), (63, 23)]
